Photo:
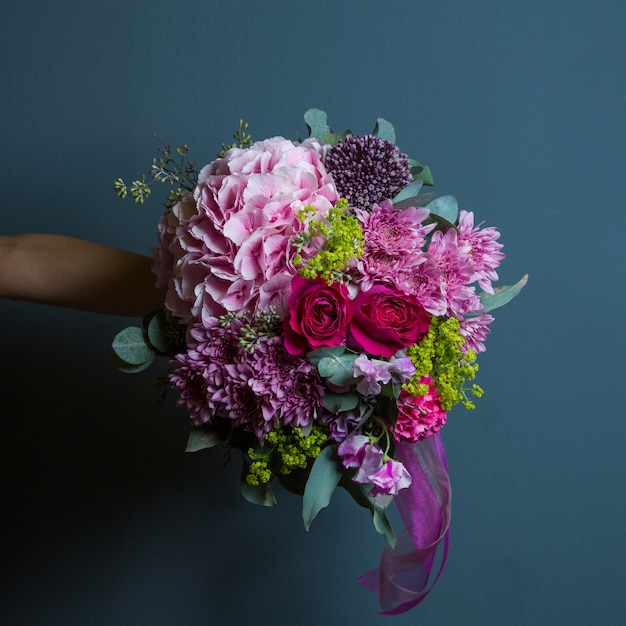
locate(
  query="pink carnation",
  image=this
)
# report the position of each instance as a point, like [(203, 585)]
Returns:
[(419, 416)]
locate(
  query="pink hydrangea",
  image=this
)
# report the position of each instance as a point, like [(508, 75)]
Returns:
[(228, 247)]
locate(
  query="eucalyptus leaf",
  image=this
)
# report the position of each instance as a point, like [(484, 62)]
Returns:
[(317, 355), (295, 481), (421, 172), (375, 505), (502, 295), (410, 191), (339, 402), (384, 130), (127, 368), (334, 138), (382, 524), (416, 201), (204, 437), (338, 369), (323, 479), (446, 207), (157, 329), (131, 347), (317, 123)]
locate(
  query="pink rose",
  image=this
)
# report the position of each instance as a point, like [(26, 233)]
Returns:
[(419, 416), (386, 320), (319, 315)]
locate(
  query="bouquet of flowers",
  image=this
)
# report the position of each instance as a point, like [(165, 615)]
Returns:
[(323, 316)]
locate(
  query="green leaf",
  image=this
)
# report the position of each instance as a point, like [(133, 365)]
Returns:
[(260, 494), (334, 138), (131, 347), (421, 172), (204, 437), (317, 355), (338, 369), (378, 510), (316, 121), (384, 130), (502, 295), (410, 191), (323, 480), (417, 201), (295, 481), (338, 402), (382, 524), (157, 329), (446, 207), (127, 368)]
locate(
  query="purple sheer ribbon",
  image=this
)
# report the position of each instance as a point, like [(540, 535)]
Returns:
[(401, 581)]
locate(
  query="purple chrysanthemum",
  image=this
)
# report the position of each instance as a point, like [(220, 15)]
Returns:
[(367, 170), (200, 372), (287, 387)]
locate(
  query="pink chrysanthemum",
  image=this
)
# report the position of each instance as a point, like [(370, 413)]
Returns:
[(475, 330), (423, 281), (452, 258), (484, 251), (419, 416), (393, 241)]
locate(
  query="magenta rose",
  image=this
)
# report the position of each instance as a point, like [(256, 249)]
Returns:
[(386, 320), (318, 316)]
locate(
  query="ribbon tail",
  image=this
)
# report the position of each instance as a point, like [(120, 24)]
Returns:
[(402, 580)]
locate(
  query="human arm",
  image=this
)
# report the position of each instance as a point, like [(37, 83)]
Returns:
[(78, 274)]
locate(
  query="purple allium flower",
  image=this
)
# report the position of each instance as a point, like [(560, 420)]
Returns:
[(367, 169)]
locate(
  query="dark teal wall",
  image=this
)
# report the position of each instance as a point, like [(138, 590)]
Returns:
[(519, 109)]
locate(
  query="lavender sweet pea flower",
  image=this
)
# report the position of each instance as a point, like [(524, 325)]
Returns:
[(389, 479), (374, 372), (402, 368), (358, 451)]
